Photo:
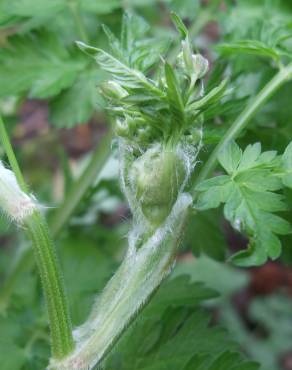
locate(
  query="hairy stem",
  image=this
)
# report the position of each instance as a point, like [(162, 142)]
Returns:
[(114, 312), (284, 75), (36, 228), (44, 251), (128, 291)]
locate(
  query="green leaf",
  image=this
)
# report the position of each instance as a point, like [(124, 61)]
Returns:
[(79, 253), (127, 77), (134, 28), (213, 192), (272, 312), (40, 65), (179, 25), (77, 104), (99, 7), (31, 8), (257, 29), (250, 199), (40, 12), (222, 277), (12, 357), (202, 224), (287, 166), (211, 98), (189, 9), (253, 47), (174, 95), (172, 332), (230, 157), (227, 360)]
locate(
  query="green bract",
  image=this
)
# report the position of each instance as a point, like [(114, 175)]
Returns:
[(157, 177), (158, 118)]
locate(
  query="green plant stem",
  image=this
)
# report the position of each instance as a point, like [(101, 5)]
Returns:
[(129, 290), (11, 156), (36, 228), (44, 251), (81, 185), (138, 277), (244, 118), (24, 259)]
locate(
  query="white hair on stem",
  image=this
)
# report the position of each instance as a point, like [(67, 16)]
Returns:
[(14, 202), (149, 259), (136, 279)]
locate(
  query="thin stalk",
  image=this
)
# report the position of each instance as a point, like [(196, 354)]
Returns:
[(36, 228), (11, 156), (284, 75), (81, 185), (52, 282)]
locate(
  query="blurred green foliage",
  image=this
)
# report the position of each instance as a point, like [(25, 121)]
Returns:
[(38, 59)]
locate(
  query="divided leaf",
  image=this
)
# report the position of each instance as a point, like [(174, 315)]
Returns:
[(38, 64), (76, 104), (257, 29), (287, 166), (253, 47), (249, 192)]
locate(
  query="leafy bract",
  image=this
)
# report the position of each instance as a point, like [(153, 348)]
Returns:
[(249, 192), (151, 107)]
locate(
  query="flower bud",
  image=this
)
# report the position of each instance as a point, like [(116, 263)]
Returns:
[(13, 201), (195, 65), (157, 177), (144, 134), (122, 128), (135, 122), (187, 56), (194, 136), (200, 65), (113, 90)]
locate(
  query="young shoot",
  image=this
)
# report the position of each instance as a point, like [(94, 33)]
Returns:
[(159, 125)]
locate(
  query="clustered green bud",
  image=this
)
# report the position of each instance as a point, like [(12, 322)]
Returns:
[(134, 129), (157, 177), (112, 90), (195, 65), (194, 136)]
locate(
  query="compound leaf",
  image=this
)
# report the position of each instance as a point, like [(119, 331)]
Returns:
[(249, 192)]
